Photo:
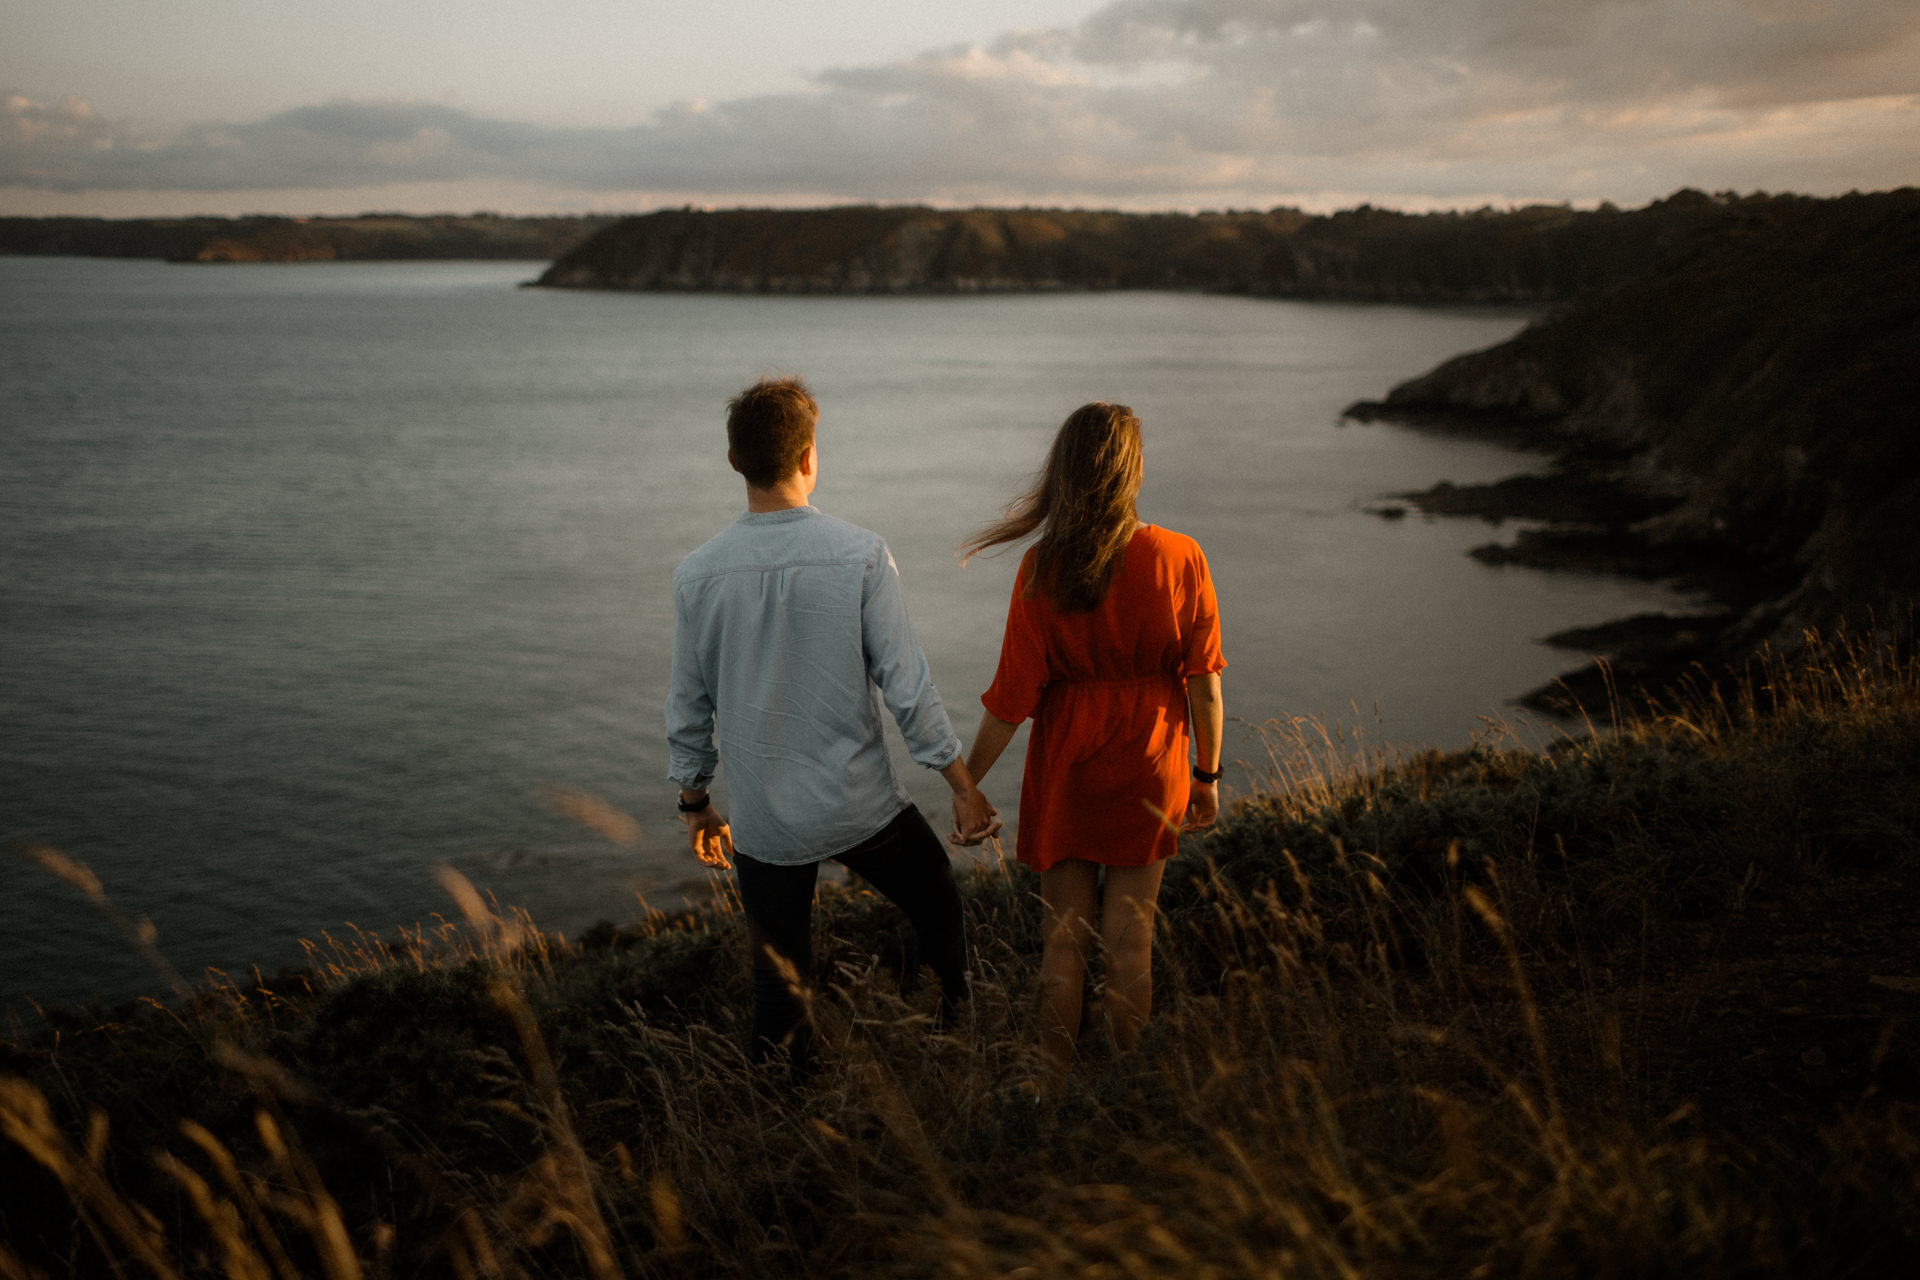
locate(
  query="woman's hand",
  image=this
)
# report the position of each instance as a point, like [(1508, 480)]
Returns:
[(1203, 806), (974, 818)]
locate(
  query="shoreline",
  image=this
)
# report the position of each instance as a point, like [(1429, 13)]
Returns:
[(1592, 511), (1737, 418)]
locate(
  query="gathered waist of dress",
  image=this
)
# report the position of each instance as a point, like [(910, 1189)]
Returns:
[(1073, 682)]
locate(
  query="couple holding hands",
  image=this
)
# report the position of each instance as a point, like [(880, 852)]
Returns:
[(791, 634)]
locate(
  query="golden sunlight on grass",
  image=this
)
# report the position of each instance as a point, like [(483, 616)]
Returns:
[(1491, 1012)]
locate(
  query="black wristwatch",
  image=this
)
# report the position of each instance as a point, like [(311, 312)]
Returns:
[(1201, 775), (697, 805)]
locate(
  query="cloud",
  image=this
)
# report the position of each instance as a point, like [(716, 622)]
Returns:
[(1163, 102)]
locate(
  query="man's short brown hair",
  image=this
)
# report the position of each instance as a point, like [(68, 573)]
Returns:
[(769, 426)]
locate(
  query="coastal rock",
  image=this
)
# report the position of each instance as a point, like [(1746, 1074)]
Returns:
[(1765, 378)]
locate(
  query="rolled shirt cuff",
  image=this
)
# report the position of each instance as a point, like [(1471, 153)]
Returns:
[(945, 756)]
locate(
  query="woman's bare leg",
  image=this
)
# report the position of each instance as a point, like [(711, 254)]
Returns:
[(1126, 934), (1069, 893)]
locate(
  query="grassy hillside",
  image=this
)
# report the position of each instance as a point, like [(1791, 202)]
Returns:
[(1641, 1005)]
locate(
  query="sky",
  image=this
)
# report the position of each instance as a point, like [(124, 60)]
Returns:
[(125, 108)]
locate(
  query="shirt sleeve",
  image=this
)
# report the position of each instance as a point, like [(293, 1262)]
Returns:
[(1201, 621), (1022, 674), (898, 666), (691, 758)]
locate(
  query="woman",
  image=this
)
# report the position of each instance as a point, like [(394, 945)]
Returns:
[(1112, 645)]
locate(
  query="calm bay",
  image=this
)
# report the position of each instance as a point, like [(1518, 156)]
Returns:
[(316, 577)]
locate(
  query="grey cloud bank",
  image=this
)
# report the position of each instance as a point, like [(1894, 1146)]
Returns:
[(1157, 103)]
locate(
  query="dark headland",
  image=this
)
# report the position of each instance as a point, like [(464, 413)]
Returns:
[(1741, 415), (1532, 255)]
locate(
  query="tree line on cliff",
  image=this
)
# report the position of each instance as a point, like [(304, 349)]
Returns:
[(369, 237), (1530, 255)]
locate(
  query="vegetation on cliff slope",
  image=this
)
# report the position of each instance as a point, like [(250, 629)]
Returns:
[(1754, 400), (1522, 255), (1637, 1006)]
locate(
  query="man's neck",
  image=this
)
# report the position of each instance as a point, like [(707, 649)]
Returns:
[(782, 497)]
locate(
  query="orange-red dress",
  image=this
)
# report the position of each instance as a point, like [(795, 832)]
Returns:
[(1107, 694)]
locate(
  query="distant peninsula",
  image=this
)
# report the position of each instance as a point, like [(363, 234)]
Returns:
[(1528, 256), (370, 237), (1741, 415)]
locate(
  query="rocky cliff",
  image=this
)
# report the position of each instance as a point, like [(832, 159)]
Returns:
[(1753, 397)]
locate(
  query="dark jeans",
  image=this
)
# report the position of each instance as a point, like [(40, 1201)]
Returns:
[(906, 862)]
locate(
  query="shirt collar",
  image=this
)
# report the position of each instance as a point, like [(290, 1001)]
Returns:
[(787, 516)]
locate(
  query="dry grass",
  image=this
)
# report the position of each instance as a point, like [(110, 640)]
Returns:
[(1383, 1047)]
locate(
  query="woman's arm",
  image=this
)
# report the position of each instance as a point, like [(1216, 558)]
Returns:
[(988, 743), (1209, 717)]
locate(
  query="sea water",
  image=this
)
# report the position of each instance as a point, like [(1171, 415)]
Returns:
[(316, 578)]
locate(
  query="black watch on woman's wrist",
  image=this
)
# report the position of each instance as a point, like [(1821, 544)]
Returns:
[(1201, 775)]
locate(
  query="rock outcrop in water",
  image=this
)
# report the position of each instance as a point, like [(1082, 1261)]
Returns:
[(1751, 400), (1531, 255)]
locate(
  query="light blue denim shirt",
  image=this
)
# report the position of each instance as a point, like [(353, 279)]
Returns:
[(789, 632)]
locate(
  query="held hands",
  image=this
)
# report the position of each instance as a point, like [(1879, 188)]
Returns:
[(710, 838), (974, 819), (1203, 806)]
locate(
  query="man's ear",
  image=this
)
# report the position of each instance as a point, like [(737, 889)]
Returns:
[(731, 462), (809, 460)]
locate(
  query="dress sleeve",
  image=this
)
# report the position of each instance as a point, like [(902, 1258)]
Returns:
[(1022, 673), (1200, 621)]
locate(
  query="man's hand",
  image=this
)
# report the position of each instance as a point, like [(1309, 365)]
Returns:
[(974, 819), (710, 838), (1203, 806)]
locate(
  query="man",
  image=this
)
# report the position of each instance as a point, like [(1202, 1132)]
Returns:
[(789, 633)]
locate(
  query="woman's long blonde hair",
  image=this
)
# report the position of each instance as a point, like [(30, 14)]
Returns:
[(1081, 506)]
